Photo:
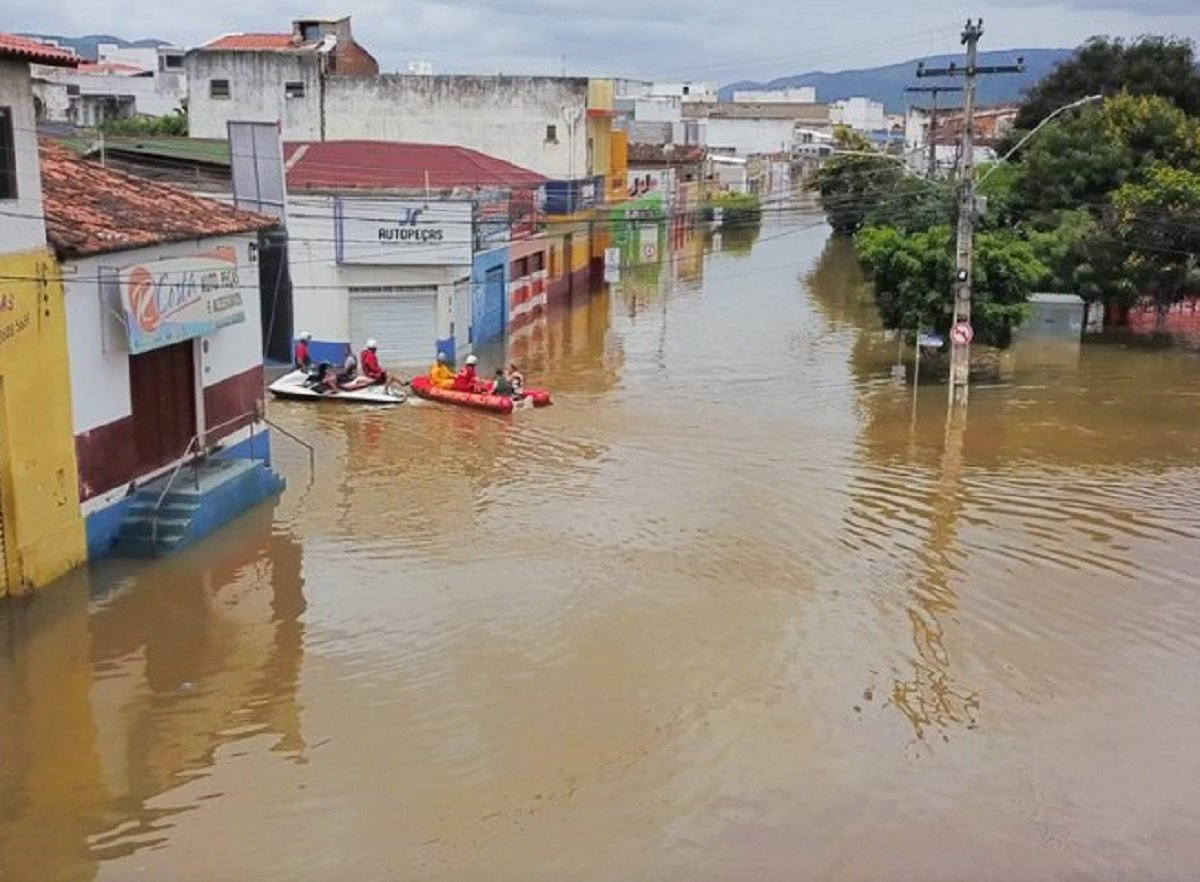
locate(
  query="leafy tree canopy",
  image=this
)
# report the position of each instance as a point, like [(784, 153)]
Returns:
[(1162, 66)]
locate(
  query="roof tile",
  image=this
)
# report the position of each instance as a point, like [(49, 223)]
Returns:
[(253, 42), (382, 165), (91, 209), (12, 46)]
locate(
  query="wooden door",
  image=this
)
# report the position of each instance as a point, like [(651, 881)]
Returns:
[(162, 386)]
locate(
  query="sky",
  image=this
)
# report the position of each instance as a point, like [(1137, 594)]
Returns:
[(716, 40)]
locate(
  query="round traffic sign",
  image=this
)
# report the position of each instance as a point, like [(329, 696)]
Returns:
[(962, 334), (648, 251)]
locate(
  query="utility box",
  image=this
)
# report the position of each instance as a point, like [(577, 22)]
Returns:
[(1052, 335), (1055, 316)]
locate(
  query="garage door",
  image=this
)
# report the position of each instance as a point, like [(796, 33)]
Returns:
[(402, 320)]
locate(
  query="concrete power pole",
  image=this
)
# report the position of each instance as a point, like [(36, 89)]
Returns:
[(961, 333), (933, 91)]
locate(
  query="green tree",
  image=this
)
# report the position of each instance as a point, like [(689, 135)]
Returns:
[(913, 279), (1079, 159), (852, 185), (1161, 66), (1157, 222), (174, 124)]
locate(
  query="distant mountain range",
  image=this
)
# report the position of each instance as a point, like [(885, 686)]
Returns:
[(85, 47), (887, 83)]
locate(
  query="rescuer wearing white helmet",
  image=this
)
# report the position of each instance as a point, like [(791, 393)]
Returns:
[(465, 380), (303, 360), (369, 361)]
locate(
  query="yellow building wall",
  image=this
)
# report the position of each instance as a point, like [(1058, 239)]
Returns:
[(618, 170), (39, 483)]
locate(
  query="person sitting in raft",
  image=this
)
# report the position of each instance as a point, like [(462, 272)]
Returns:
[(466, 380), (303, 359), (322, 380), (370, 364), (517, 379), (441, 375), (501, 385), (349, 368)]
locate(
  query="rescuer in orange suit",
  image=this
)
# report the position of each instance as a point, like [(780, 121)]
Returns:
[(441, 375)]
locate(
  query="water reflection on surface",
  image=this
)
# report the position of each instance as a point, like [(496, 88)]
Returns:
[(735, 607)]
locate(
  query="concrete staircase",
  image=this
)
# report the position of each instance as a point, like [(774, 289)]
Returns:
[(196, 505)]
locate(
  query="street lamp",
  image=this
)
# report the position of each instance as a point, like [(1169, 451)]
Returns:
[(1090, 99)]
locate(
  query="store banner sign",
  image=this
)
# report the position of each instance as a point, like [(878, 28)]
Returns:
[(166, 301), (393, 232)]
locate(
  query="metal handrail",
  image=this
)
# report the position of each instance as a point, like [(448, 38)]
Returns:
[(312, 453), (183, 460)]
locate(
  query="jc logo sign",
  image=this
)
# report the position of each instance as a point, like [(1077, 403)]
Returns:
[(408, 217)]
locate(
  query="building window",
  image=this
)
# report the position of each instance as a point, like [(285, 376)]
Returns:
[(293, 90), (552, 134), (8, 155), (218, 88)]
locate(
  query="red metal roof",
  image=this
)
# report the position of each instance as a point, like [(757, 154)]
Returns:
[(384, 165), (253, 42), (91, 209), (38, 53)]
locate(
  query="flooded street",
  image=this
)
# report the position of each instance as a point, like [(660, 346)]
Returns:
[(734, 608)]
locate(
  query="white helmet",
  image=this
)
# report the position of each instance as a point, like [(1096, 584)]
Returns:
[(371, 344), (305, 336), (471, 359)]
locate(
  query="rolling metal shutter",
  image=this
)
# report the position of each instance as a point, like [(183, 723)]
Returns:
[(402, 320)]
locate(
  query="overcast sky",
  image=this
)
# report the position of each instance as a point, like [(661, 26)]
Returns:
[(720, 40)]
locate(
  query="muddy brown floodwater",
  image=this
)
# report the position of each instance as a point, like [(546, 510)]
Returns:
[(733, 609)]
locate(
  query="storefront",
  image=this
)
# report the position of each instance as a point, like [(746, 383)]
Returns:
[(163, 328)]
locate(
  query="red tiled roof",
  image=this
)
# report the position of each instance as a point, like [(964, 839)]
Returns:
[(91, 209), (38, 53), (384, 165), (253, 42), (111, 67)]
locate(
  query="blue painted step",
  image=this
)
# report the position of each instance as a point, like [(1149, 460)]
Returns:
[(196, 505)]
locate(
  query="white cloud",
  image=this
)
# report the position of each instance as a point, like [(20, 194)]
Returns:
[(713, 39)]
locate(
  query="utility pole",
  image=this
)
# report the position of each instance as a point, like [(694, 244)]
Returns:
[(933, 91), (961, 333)]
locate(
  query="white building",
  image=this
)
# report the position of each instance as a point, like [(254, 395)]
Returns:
[(321, 85), (124, 82), (21, 222), (386, 251), (686, 91), (860, 114), (163, 328), (754, 129), (790, 95)]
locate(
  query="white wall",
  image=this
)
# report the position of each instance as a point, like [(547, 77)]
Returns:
[(320, 288), (145, 57), (100, 380), (658, 109), (687, 91), (156, 95), (504, 117), (860, 114), (257, 93), (750, 136), (21, 225), (794, 95)]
